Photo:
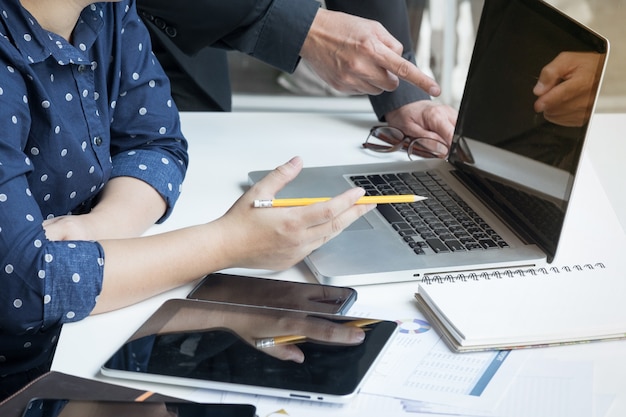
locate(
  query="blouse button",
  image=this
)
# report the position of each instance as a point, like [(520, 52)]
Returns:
[(159, 23), (81, 68), (97, 141)]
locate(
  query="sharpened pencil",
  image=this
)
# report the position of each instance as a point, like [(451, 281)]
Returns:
[(374, 199)]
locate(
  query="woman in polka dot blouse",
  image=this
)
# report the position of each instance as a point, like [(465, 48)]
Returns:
[(91, 155)]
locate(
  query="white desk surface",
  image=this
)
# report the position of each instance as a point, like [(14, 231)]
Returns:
[(225, 146)]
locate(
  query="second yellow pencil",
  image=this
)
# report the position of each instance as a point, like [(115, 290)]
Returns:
[(292, 339)]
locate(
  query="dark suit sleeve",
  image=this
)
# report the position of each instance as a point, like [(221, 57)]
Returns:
[(270, 30), (392, 14)]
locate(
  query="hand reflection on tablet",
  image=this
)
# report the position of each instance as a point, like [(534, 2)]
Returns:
[(214, 343), (262, 323)]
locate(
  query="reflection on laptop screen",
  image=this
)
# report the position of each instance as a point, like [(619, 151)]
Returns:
[(502, 141)]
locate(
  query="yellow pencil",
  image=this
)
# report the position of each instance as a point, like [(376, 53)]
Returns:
[(267, 342), (374, 199)]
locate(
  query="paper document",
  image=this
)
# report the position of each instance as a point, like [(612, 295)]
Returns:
[(419, 366)]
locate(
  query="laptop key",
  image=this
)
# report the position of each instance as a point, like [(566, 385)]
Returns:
[(455, 245), (377, 180), (437, 245), (390, 213), (487, 243)]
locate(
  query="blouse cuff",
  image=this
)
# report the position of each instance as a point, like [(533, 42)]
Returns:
[(160, 171), (78, 270)]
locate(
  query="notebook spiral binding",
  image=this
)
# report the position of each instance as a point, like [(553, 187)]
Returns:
[(509, 273)]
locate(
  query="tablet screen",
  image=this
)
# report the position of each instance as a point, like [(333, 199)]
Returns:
[(47, 407), (212, 345)]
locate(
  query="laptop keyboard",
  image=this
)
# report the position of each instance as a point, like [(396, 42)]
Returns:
[(545, 216), (441, 224)]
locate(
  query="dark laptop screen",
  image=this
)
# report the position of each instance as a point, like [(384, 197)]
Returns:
[(522, 160)]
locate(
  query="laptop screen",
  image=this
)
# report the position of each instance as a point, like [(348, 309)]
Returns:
[(516, 153)]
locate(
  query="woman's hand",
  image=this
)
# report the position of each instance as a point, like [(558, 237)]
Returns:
[(277, 238), (245, 237)]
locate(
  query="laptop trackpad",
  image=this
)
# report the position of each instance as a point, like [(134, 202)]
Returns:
[(359, 224)]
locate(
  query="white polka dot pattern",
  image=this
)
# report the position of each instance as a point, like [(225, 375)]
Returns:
[(72, 117)]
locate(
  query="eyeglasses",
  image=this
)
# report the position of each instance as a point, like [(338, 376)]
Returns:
[(391, 139)]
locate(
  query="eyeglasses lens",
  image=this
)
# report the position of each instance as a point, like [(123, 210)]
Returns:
[(427, 148), (386, 139), (391, 139)]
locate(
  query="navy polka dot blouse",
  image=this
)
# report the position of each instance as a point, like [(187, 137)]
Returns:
[(72, 116)]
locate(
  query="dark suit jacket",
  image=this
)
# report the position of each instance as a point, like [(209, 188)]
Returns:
[(270, 30)]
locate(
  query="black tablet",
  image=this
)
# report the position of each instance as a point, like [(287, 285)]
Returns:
[(48, 407), (225, 346)]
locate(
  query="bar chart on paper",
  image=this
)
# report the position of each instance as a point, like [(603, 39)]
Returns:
[(419, 366), (442, 371)]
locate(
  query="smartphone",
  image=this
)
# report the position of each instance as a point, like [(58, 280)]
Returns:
[(264, 292), (48, 407)]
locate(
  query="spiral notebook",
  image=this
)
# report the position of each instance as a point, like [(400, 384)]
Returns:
[(516, 308)]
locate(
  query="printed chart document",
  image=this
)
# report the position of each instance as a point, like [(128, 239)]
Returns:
[(419, 366), (525, 308), (543, 388)]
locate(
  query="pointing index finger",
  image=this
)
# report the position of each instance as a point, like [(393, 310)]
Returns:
[(409, 72)]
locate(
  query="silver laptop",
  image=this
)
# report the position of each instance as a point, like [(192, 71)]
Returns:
[(509, 175)]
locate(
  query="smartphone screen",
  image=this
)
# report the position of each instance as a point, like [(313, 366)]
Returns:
[(264, 292), (82, 408)]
